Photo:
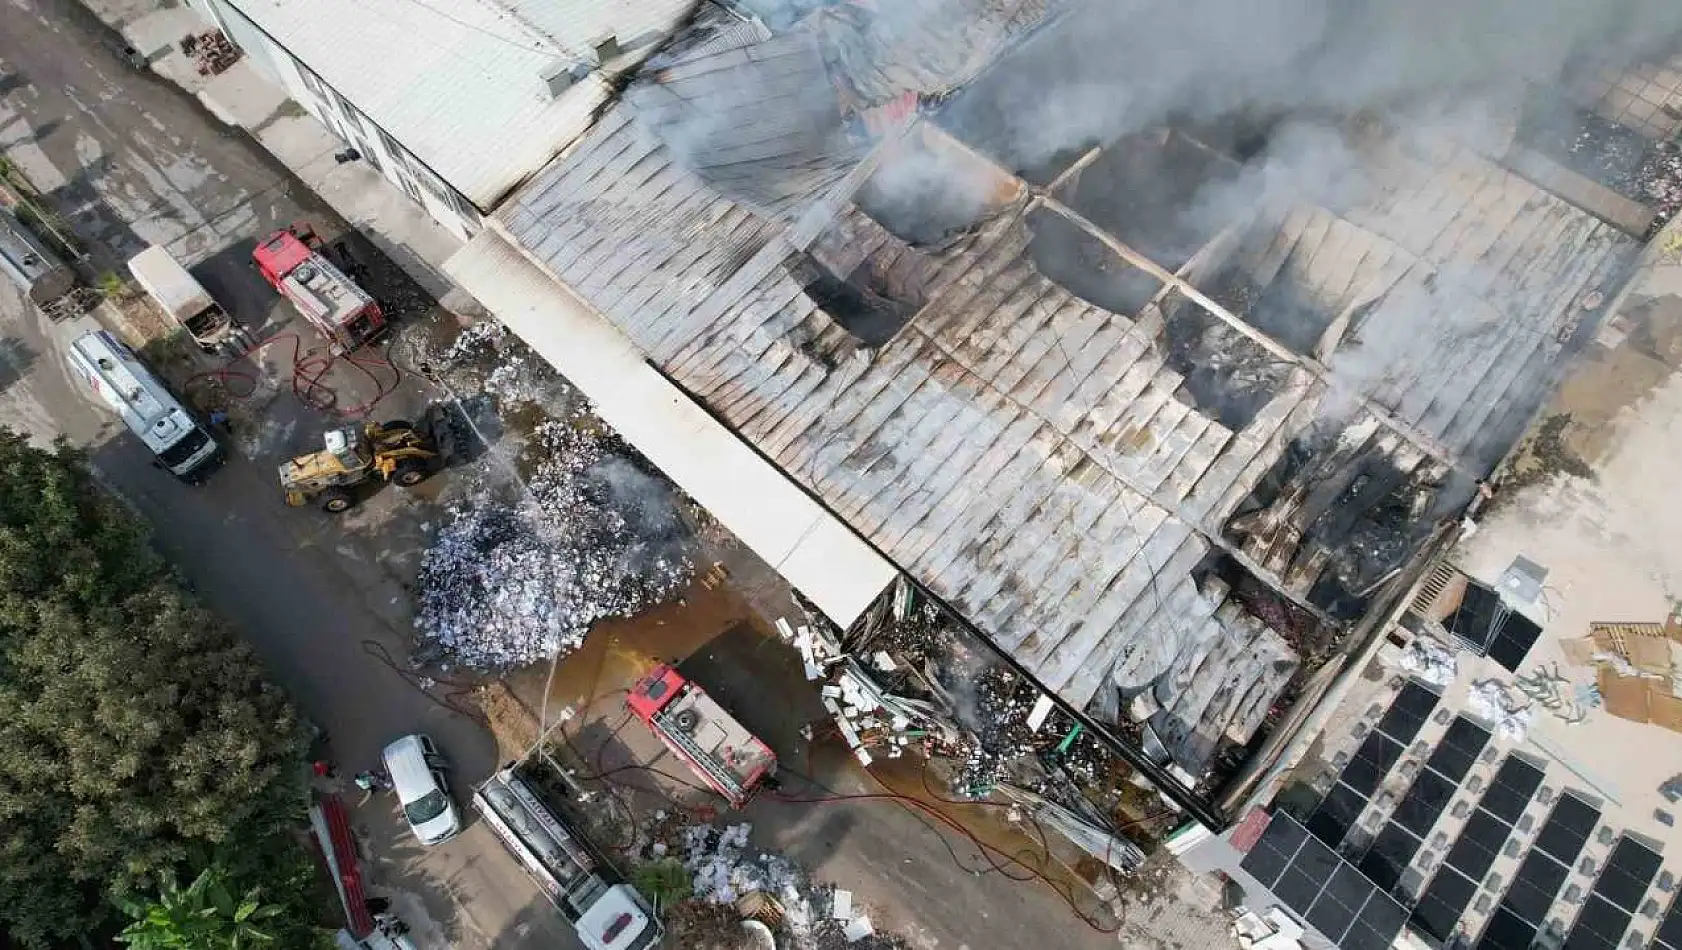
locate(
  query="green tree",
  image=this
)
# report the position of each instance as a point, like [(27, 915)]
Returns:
[(138, 737), (204, 915)]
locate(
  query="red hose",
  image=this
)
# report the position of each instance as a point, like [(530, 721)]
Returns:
[(309, 368)]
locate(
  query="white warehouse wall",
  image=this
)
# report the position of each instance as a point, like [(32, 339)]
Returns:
[(394, 162)]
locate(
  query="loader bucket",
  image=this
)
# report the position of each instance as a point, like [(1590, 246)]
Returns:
[(440, 426)]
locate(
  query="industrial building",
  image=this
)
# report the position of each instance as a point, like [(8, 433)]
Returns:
[(455, 103), (1308, 492)]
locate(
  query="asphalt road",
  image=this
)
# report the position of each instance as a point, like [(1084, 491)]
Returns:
[(131, 161)]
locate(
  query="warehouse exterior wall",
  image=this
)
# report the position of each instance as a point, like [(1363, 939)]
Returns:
[(400, 166)]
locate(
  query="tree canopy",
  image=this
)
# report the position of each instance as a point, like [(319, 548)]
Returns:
[(139, 738)]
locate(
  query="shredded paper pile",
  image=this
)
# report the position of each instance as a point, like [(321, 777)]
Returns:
[(595, 536), (814, 916)]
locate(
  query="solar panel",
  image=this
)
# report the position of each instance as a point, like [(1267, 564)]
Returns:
[(1441, 906), (1336, 814), (1541, 874), (1424, 801), (1473, 621), (1506, 931), (1669, 934), (1479, 842), (1616, 895), (1322, 888), (1459, 748), (1567, 828), (1389, 855), (1513, 788), (1513, 640), (1599, 926), (1370, 763), (1408, 712), (1629, 870)]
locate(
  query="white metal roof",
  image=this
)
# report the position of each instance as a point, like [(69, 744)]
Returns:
[(460, 82)]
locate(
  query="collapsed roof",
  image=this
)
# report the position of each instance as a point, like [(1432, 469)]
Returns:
[(1060, 405)]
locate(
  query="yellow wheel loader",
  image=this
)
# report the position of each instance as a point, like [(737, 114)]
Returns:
[(395, 451)]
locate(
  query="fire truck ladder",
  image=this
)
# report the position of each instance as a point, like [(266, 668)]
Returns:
[(685, 740)]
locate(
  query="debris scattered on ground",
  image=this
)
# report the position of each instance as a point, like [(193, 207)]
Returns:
[(868, 716), (1429, 660), (1660, 180), (595, 536), (807, 915)]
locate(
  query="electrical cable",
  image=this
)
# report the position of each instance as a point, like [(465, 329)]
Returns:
[(452, 700)]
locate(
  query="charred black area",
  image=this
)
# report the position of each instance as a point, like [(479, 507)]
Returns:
[(1597, 148), (1086, 267), (1356, 511), (1226, 374), (864, 303), (1280, 309), (1153, 191), (1307, 634)]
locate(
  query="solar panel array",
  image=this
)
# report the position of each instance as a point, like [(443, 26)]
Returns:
[(1444, 902), (1394, 847), (1518, 918), (1307, 876), (1615, 897), (1366, 769)]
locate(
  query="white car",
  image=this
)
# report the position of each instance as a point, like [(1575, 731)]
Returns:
[(417, 774)]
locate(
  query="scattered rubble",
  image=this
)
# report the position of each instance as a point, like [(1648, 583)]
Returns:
[(1659, 179), (595, 536), (1429, 660), (804, 914)]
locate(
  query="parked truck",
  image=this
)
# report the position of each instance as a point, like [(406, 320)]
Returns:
[(146, 406), (185, 301), (606, 912), (294, 262), (730, 759)]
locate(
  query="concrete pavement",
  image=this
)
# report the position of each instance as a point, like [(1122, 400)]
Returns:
[(131, 161)]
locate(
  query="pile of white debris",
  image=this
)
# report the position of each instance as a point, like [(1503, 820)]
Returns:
[(726, 870), (593, 536)]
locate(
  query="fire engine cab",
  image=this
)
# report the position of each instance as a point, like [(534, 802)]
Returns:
[(730, 759), (291, 260)]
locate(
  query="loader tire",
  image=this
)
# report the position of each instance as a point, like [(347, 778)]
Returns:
[(410, 472), (336, 501)]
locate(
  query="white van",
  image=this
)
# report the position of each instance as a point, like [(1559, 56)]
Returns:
[(417, 775), (124, 383)]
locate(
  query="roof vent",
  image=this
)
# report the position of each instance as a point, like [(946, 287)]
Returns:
[(606, 47), (560, 75)]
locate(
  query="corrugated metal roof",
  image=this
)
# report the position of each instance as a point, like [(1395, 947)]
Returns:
[(1058, 471), (460, 83)]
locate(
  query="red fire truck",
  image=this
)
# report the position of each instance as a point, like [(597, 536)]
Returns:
[(729, 758), (292, 261)]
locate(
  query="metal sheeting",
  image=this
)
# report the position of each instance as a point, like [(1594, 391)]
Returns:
[(461, 85)]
